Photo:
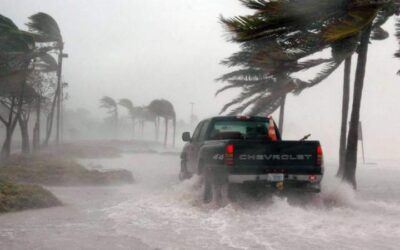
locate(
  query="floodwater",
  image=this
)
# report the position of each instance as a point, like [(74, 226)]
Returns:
[(159, 212)]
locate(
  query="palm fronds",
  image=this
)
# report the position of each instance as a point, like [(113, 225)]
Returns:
[(107, 102), (126, 103), (46, 27)]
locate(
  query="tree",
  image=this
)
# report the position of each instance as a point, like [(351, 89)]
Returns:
[(330, 24), (266, 67), (378, 33), (112, 108), (345, 114), (165, 109), (126, 103), (41, 79), (16, 52), (48, 31)]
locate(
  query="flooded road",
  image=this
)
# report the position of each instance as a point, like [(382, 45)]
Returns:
[(159, 212)]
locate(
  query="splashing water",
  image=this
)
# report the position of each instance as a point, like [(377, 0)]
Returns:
[(173, 217)]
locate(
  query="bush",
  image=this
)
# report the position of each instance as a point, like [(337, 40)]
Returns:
[(16, 197), (58, 171)]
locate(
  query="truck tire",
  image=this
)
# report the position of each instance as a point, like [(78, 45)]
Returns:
[(215, 185), (184, 173), (207, 189)]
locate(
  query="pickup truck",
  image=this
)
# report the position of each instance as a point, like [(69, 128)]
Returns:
[(235, 150)]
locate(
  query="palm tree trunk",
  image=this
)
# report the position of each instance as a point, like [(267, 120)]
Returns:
[(59, 71), (36, 130), (50, 118), (133, 128), (349, 174), (345, 114), (173, 138), (157, 128), (282, 114), (166, 132), (6, 148), (10, 127), (25, 136), (12, 123), (116, 124)]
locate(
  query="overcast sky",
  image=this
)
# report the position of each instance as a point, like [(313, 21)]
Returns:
[(143, 50)]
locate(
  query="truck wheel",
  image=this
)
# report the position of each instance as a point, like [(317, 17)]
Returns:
[(184, 173), (207, 189), (233, 191), (215, 185)]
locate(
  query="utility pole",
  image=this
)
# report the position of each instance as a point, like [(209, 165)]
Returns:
[(61, 55)]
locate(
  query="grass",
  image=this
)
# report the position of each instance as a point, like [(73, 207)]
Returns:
[(16, 197), (58, 171), (21, 175)]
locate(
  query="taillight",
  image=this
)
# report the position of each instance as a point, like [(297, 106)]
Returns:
[(312, 178), (320, 156), (230, 149), (271, 130)]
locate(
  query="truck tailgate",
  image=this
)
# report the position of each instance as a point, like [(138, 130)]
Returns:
[(260, 157)]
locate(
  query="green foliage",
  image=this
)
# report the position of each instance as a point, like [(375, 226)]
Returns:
[(162, 108), (46, 63), (107, 102), (126, 103), (278, 39), (45, 27), (111, 105)]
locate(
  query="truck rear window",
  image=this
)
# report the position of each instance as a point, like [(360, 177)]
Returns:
[(222, 130)]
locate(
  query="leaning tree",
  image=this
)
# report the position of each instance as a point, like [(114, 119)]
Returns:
[(47, 31), (126, 103), (323, 24), (17, 51), (111, 106), (164, 109)]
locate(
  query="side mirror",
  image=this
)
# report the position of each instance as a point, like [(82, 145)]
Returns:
[(186, 136)]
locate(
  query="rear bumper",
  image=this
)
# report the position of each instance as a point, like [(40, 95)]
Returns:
[(295, 182), (242, 178)]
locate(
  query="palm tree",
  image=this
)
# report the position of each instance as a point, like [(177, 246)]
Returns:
[(345, 114), (44, 66), (16, 52), (329, 24), (126, 103), (266, 68), (112, 108), (48, 31), (378, 33), (165, 109), (30, 95)]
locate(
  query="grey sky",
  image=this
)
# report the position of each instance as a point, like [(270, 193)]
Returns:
[(150, 49)]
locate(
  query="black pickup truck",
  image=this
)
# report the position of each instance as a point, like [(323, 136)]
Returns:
[(232, 150)]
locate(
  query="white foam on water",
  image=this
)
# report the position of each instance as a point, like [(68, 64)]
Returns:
[(173, 217)]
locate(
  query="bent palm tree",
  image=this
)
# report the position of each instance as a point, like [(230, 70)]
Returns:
[(165, 109), (16, 53), (48, 31), (111, 106), (126, 103), (329, 23)]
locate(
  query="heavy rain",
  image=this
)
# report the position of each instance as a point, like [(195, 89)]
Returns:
[(228, 124)]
